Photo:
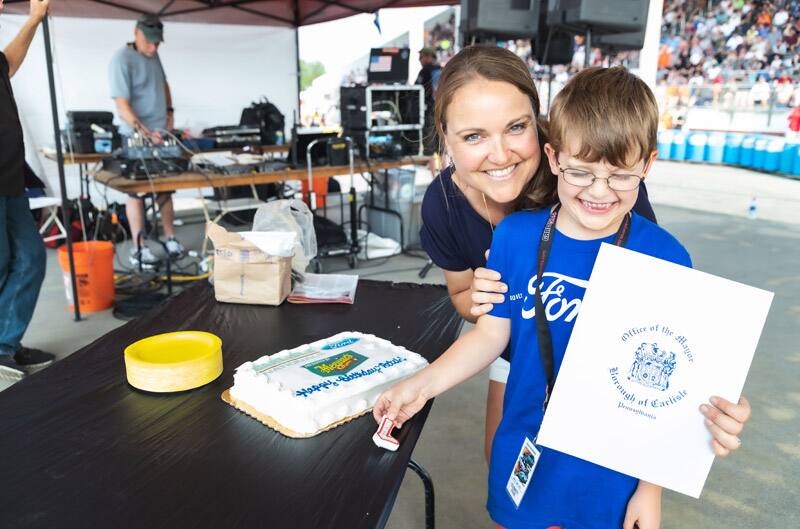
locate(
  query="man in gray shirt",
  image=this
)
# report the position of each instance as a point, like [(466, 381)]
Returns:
[(144, 103)]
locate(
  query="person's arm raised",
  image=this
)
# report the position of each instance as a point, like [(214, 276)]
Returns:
[(17, 49)]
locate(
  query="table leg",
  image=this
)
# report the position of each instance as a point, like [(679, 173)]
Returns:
[(427, 482), (83, 175), (207, 216), (425, 269)]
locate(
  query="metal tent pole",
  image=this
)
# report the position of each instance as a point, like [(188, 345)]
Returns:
[(297, 53), (60, 155)]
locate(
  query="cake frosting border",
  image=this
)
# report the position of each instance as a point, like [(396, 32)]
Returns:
[(268, 421)]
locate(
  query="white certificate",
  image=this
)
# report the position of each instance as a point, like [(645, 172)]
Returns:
[(653, 341)]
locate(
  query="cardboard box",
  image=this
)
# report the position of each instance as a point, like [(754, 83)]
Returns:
[(245, 274)]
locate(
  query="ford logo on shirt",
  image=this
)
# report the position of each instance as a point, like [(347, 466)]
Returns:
[(556, 304)]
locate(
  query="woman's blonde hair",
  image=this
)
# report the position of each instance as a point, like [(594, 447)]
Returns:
[(497, 64)]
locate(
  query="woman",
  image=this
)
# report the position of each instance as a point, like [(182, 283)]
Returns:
[(471, 196)]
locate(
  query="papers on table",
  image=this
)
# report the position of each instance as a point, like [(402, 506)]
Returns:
[(325, 288), (226, 158), (653, 341)]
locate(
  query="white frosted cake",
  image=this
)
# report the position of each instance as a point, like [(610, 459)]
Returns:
[(312, 387)]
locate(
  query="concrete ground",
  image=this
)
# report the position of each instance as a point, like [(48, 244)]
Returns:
[(706, 207)]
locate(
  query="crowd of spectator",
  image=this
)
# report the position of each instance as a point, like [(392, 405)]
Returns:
[(732, 54), (441, 36)]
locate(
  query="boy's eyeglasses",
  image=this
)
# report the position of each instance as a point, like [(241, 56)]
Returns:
[(617, 182)]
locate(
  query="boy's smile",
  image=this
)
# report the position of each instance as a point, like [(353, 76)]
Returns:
[(594, 211)]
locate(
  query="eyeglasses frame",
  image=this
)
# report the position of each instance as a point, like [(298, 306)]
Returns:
[(562, 170)]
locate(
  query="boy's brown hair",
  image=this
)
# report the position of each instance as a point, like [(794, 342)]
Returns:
[(611, 112)]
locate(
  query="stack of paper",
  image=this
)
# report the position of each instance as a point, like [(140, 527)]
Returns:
[(325, 288)]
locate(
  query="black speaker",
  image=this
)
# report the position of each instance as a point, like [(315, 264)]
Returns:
[(606, 16), (353, 107), (560, 50), (616, 42), (628, 41), (501, 19), (552, 45)]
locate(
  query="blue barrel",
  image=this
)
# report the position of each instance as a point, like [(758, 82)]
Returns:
[(678, 149), (696, 147), (772, 160), (746, 153), (733, 149), (760, 153), (796, 164), (787, 158), (664, 144), (715, 150)]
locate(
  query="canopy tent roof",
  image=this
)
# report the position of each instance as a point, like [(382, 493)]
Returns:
[(286, 13)]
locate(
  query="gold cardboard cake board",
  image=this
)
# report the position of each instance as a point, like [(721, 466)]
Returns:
[(275, 425)]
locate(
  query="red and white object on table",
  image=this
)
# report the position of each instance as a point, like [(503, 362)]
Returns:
[(383, 437)]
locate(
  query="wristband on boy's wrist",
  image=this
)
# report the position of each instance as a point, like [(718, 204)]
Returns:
[(170, 110)]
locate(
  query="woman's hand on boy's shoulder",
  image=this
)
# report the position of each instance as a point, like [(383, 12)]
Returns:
[(487, 290), (725, 420)]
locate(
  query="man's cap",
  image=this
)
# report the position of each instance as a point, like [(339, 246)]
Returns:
[(152, 28), (427, 50)]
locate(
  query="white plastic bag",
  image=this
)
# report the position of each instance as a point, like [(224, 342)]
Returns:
[(290, 215), (373, 246)]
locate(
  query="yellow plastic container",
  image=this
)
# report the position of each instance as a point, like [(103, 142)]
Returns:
[(174, 361)]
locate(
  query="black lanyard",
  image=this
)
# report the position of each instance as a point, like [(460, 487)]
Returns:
[(545, 339)]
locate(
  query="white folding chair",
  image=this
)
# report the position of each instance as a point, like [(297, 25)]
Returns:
[(50, 205)]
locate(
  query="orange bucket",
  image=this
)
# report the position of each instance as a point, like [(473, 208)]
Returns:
[(320, 186), (94, 272)]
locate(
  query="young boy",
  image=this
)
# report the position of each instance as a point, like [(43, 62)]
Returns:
[(603, 142)]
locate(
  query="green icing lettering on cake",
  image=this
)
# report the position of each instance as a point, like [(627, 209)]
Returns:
[(338, 364)]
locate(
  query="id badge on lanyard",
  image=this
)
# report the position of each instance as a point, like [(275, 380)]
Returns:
[(522, 473)]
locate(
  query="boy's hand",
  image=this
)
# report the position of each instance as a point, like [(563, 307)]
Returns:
[(644, 508), (400, 402), (487, 289), (725, 420)]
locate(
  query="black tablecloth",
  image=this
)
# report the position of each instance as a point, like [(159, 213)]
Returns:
[(81, 448)]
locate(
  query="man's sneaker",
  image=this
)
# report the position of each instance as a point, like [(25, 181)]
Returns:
[(144, 256), (10, 370), (175, 249), (33, 358)]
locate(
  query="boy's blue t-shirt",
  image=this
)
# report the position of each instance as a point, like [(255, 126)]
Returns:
[(564, 490)]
